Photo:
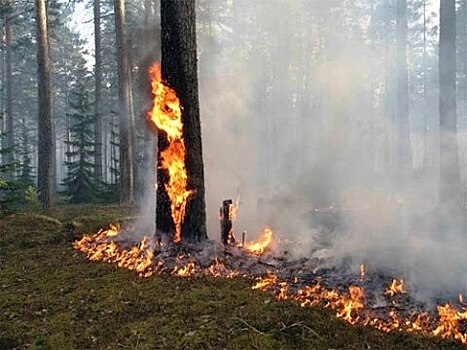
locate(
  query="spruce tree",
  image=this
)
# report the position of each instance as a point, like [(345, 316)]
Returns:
[(80, 183)]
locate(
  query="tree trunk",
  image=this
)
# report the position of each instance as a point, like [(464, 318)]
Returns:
[(97, 91), (403, 148), (424, 96), (179, 69), (3, 129), (126, 151), (45, 142), (10, 157), (449, 171)]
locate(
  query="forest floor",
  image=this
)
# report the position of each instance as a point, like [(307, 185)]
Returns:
[(51, 297)]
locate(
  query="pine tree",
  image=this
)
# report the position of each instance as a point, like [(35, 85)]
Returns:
[(80, 182)]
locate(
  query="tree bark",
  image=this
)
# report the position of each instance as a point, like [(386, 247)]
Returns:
[(449, 171), (97, 91), (403, 148), (126, 151), (179, 70), (45, 141)]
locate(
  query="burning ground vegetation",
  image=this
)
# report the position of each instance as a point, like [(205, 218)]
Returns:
[(366, 297)]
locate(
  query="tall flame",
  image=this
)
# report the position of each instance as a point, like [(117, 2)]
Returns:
[(166, 114)]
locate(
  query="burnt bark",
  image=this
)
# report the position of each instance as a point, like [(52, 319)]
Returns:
[(97, 91), (45, 140), (226, 223), (126, 151), (179, 70), (449, 171), (403, 148)]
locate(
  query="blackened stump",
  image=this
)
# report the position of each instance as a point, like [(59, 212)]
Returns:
[(226, 223)]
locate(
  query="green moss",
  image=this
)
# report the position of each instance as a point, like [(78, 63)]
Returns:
[(53, 298)]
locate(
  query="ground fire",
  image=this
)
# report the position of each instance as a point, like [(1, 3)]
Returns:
[(353, 297)]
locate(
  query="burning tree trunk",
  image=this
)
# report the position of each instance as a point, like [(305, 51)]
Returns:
[(126, 151), (448, 153), (179, 70), (45, 146)]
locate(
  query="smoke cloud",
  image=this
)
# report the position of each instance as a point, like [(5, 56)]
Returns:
[(297, 101)]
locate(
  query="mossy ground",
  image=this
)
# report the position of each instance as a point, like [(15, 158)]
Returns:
[(51, 297)]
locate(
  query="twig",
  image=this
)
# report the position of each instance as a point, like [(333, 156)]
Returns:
[(299, 324), (251, 327)]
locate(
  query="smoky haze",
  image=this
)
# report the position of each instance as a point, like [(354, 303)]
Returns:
[(297, 105)]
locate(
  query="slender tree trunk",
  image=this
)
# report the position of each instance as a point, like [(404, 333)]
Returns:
[(424, 96), (450, 188), (10, 155), (45, 144), (97, 91), (2, 101), (404, 150), (126, 151), (179, 69)]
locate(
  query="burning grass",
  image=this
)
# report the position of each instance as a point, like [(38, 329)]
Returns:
[(52, 297)]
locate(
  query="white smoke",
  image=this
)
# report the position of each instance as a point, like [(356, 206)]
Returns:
[(319, 167)]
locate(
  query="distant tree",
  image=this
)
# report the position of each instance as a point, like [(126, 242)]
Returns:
[(403, 148), (126, 142), (45, 141), (26, 172), (9, 157), (179, 69), (80, 183), (7, 186), (449, 171), (98, 88)]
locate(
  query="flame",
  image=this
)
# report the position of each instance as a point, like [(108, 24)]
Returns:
[(449, 321), (351, 304), (258, 247), (396, 287), (185, 271), (98, 248), (218, 269), (166, 114)]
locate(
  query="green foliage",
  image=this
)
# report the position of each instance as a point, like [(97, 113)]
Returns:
[(31, 196), (80, 183)]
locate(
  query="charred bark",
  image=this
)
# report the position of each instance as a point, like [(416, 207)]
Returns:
[(449, 171), (45, 145), (179, 69), (227, 237), (126, 151)]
